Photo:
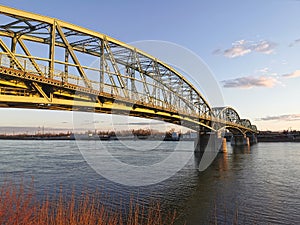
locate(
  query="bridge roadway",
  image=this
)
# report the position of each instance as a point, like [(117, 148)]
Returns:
[(46, 63)]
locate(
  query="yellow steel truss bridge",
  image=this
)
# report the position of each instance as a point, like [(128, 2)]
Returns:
[(46, 63)]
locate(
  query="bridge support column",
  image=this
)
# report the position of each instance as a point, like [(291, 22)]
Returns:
[(212, 140), (252, 139), (224, 145), (240, 140), (201, 142)]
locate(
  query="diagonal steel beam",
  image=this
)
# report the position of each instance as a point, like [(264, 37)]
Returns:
[(20, 67), (74, 57), (140, 70), (25, 49), (7, 26), (11, 55), (116, 68), (41, 91), (32, 28)]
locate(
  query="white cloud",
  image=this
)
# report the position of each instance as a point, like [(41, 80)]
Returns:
[(250, 82), (288, 117), (243, 47), (267, 80), (236, 51), (263, 70), (265, 47), (241, 42), (294, 74)]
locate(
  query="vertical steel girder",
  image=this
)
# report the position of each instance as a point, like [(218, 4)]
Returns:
[(52, 49)]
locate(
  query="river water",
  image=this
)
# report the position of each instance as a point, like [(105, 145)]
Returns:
[(260, 185)]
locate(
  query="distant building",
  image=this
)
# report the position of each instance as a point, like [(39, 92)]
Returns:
[(175, 136), (189, 135)]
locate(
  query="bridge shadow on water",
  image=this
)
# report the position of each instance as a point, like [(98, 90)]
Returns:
[(213, 199), (241, 149)]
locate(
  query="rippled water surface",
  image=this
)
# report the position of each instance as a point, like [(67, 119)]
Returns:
[(260, 185)]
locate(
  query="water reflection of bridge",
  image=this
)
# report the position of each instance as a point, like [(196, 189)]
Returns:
[(45, 63)]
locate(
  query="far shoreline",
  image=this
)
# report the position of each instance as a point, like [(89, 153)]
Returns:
[(263, 136)]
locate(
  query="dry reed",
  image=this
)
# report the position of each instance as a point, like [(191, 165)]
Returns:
[(19, 206)]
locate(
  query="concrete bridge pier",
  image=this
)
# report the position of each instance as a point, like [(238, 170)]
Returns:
[(214, 141), (224, 146), (252, 139), (240, 140), (201, 142)]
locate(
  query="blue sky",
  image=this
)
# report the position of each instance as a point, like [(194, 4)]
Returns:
[(252, 48)]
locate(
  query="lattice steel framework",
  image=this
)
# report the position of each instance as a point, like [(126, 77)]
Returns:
[(51, 64), (233, 120)]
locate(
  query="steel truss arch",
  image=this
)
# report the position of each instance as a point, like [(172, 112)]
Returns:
[(127, 71), (226, 113), (48, 63), (254, 128), (232, 121)]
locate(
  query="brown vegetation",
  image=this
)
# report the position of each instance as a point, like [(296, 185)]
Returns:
[(19, 206)]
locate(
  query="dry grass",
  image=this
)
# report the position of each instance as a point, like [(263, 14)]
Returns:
[(18, 206)]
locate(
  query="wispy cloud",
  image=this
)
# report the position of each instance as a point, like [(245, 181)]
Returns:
[(243, 47), (263, 70), (267, 81), (141, 123), (294, 74), (287, 117), (217, 51), (239, 48), (265, 47), (295, 42), (250, 82)]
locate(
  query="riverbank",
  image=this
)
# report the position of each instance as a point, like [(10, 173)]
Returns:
[(261, 137), (18, 205), (269, 136), (88, 137)]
